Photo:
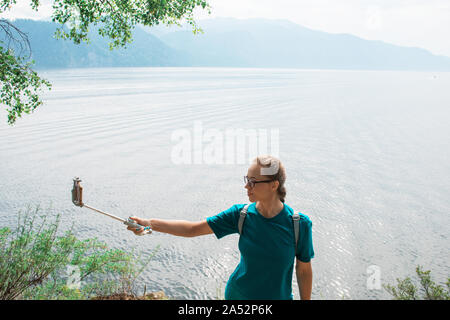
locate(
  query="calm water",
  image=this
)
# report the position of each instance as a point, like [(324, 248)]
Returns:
[(367, 157)]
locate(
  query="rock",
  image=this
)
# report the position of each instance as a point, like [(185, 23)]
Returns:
[(160, 295)]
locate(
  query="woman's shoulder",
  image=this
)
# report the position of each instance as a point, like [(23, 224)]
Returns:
[(303, 217), (240, 206), (236, 208)]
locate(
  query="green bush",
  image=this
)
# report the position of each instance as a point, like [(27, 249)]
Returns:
[(34, 261), (428, 290)]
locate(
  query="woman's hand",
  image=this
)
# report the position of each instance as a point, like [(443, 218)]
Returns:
[(142, 222)]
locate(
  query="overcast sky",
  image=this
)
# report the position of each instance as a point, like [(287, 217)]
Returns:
[(414, 23)]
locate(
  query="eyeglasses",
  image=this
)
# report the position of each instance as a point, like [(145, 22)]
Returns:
[(252, 182)]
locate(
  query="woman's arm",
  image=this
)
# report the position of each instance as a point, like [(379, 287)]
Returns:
[(303, 271), (180, 228)]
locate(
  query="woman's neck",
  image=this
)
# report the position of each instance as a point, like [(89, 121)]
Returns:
[(269, 208)]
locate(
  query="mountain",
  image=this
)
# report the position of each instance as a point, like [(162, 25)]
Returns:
[(268, 43), (48, 52), (228, 42)]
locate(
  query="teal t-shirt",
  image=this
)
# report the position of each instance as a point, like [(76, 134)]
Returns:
[(267, 247)]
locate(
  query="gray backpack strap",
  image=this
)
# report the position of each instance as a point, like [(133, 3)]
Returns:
[(242, 217), (296, 220)]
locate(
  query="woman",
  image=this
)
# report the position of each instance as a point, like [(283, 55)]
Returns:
[(267, 242)]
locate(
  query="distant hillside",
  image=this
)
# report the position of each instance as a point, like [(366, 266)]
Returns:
[(281, 43), (48, 52), (230, 42)]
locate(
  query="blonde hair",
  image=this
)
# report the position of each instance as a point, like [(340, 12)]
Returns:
[(272, 168)]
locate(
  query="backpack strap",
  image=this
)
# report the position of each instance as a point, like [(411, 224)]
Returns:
[(296, 221), (242, 215)]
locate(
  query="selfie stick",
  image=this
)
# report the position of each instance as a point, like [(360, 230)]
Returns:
[(77, 199)]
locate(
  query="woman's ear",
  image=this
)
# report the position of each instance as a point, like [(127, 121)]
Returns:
[(277, 184)]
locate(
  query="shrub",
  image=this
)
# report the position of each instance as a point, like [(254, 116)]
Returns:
[(34, 261), (407, 290)]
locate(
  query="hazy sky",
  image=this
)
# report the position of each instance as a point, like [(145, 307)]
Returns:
[(414, 23)]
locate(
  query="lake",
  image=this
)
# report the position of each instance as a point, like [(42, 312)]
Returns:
[(367, 155)]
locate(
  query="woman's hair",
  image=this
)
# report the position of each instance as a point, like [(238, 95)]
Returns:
[(274, 170)]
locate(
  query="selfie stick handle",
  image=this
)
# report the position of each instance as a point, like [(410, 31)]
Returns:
[(128, 222)]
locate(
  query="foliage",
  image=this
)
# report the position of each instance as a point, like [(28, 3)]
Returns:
[(34, 262), (407, 290), (115, 20), (19, 84), (30, 255)]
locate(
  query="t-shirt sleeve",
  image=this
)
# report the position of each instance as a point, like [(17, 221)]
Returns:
[(226, 222), (305, 250)]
